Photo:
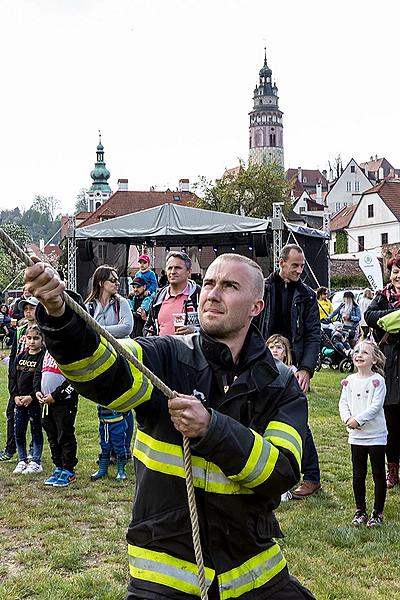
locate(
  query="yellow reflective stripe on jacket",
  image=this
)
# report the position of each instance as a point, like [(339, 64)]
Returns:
[(141, 389), (168, 458), (259, 465), (162, 568), (91, 367), (252, 574), (285, 436)]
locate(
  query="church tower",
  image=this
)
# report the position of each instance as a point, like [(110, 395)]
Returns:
[(266, 128), (100, 190)]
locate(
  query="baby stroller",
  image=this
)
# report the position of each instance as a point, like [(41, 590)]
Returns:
[(330, 355)]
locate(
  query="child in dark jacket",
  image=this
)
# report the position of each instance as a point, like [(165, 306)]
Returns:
[(59, 403), (27, 407)]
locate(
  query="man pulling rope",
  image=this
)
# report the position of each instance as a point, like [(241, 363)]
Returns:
[(245, 419)]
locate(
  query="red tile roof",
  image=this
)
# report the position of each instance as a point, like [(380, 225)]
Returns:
[(124, 202), (389, 191), (372, 166), (313, 176), (342, 219), (232, 173)]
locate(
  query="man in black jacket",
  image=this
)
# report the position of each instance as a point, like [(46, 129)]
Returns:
[(245, 418), (291, 310)]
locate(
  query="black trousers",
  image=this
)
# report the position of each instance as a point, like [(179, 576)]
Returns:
[(59, 425), (392, 416), (359, 457), (10, 447), (293, 590)]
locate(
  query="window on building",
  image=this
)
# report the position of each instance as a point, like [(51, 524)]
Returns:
[(370, 211), (102, 251), (302, 209), (272, 139), (352, 169), (337, 206), (384, 239), (348, 186), (304, 179), (356, 186), (361, 243)]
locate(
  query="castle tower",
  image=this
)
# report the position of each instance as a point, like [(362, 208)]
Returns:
[(100, 190), (266, 128)]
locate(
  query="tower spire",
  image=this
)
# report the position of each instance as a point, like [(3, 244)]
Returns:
[(100, 190), (266, 128)]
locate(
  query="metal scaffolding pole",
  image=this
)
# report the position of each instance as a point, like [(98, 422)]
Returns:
[(326, 227), (277, 228), (71, 252)]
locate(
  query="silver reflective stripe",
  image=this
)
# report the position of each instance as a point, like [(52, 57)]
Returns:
[(285, 436), (130, 402), (158, 456), (260, 465), (249, 578), (179, 575), (108, 352)]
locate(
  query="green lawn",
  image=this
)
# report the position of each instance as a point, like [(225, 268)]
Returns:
[(70, 543)]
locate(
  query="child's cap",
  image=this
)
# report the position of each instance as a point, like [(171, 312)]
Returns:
[(145, 258)]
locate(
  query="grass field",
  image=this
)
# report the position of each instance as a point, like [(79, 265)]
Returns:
[(65, 544)]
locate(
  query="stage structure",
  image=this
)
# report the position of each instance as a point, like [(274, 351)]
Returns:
[(203, 234)]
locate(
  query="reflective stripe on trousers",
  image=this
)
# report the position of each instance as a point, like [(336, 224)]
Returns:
[(164, 569)]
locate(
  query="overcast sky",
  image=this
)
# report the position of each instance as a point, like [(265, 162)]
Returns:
[(170, 82)]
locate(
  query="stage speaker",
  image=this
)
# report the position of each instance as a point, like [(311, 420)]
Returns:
[(261, 245), (85, 250)]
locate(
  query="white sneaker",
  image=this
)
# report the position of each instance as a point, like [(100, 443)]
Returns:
[(33, 467), (286, 497), (21, 467)]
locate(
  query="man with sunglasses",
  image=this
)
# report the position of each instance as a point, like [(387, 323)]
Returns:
[(180, 298)]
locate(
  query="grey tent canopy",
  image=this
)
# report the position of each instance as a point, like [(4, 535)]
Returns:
[(167, 221)]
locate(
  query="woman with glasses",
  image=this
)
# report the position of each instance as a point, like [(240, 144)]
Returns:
[(112, 312)]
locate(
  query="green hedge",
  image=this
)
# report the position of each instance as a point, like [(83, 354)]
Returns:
[(339, 282)]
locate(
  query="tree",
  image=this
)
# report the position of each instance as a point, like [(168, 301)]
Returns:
[(251, 192), (10, 266), (47, 205), (81, 202)]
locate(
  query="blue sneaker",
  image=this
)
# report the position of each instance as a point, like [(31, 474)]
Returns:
[(65, 478), (5, 457), (53, 478)]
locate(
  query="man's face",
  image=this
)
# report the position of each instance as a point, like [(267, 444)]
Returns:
[(29, 313), (138, 290), (227, 299), (292, 268), (177, 272)]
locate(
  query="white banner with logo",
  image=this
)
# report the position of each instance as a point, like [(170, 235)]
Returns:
[(369, 264)]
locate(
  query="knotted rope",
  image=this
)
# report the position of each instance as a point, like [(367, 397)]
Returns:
[(27, 260)]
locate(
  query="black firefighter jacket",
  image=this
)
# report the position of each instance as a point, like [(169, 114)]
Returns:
[(249, 457), (305, 323)]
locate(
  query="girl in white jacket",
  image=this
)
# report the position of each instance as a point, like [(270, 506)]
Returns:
[(361, 409)]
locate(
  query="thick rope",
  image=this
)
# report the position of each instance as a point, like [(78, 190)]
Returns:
[(27, 260)]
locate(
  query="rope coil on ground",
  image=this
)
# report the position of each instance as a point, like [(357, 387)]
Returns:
[(27, 260)]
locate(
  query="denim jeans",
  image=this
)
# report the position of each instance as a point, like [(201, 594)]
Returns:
[(129, 431), (22, 416), (310, 463)]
